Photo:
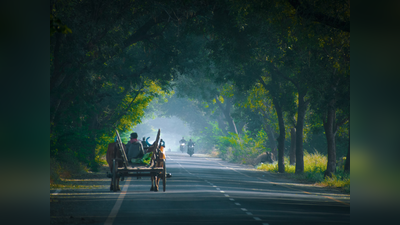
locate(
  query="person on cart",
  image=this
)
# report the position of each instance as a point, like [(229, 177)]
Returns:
[(162, 143), (134, 148)]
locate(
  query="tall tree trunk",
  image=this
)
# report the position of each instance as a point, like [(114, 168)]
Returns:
[(93, 126), (272, 142), (281, 138), (270, 134), (330, 132), (292, 154), (240, 126), (227, 114), (347, 164), (301, 112), (221, 124)]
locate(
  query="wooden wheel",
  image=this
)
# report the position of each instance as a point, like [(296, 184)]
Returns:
[(164, 176), (114, 176)]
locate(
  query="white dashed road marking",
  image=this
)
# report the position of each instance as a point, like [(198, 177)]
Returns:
[(231, 199)]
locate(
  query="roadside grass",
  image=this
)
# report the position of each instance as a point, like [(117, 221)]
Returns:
[(314, 168), (84, 180), (65, 166), (76, 186)]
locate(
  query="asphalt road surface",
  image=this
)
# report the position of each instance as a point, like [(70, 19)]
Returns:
[(205, 191)]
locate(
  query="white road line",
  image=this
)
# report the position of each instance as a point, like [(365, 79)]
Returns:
[(249, 213), (226, 195), (56, 192), (243, 209), (237, 203), (218, 189), (118, 204), (232, 199), (256, 218), (222, 191)]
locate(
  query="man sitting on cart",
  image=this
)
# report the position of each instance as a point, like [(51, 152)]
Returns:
[(134, 148)]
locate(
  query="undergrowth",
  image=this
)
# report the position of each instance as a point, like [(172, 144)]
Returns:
[(241, 149), (314, 168), (66, 165)]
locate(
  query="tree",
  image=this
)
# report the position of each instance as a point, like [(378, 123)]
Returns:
[(103, 74)]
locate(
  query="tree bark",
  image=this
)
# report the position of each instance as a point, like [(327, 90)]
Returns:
[(292, 154), (306, 11), (347, 164), (301, 111), (93, 127), (272, 142), (227, 114), (240, 126), (270, 134), (221, 124), (281, 138), (330, 131)]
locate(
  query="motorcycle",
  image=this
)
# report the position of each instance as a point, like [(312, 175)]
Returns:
[(190, 150), (182, 147)]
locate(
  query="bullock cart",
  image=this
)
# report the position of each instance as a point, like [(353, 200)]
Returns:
[(130, 169)]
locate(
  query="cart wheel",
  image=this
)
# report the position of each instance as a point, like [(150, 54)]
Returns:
[(164, 177), (114, 176)]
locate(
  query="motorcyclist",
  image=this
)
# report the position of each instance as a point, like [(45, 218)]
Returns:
[(182, 141), (144, 143), (190, 144)]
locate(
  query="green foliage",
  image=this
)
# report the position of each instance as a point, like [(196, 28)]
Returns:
[(235, 62), (57, 26), (65, 165), (242, 148), (314, 167)]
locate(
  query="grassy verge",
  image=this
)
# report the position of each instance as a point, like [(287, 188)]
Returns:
[(314, 167), (66, 166)]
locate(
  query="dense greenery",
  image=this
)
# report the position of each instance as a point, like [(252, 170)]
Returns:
[(246, 76), (314, 167)]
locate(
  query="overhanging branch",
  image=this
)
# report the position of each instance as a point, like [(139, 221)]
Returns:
[(305, 11)]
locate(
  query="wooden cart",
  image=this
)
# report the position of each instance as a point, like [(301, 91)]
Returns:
[(136, 170)]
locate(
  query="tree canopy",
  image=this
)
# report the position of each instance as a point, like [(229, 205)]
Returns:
[(250, 70)]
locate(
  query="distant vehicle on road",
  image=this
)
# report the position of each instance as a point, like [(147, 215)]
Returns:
[(190, 150), (182, 143)]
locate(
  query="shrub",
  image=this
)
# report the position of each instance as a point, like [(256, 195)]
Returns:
[(64, 165), (314, 168), (55, 170), (242, 149)]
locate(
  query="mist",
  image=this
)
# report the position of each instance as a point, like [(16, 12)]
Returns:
[(172, 130)]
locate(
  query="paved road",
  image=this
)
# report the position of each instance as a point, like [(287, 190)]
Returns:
[(208, 191)]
